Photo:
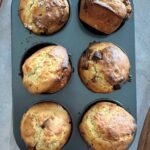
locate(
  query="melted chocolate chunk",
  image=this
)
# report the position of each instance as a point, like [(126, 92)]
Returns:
[(117, 87), (85, 66), (97, 56), (44, 125), (85, 5), (94, 79), (121, 79), (34, 148), (64, 68)]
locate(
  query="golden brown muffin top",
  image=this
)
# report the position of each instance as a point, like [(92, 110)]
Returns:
[(106, 121), (104, 66), (47, 70), (121, 8), (45, 126), (44, 16)]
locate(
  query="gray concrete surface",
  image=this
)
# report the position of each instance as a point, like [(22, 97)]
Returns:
[(142, 36)]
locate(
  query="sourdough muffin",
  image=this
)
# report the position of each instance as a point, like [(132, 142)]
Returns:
[(104, 67), (107, 126), (47, 71), (45, 126), (44, 16), (104, 15)]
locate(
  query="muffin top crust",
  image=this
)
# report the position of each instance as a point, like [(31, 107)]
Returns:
[(44, 16)]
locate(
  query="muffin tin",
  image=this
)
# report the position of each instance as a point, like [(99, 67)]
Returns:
[(75, 97)]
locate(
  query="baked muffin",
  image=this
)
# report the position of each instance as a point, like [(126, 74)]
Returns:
[(107, 126), (47, 71), (44, 16), (104, 67), (105, 16), (45, 126)]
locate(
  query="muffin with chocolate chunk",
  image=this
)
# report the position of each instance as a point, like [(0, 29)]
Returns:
[(107, 126), (44, 16), (105, 16), (45, 126), (104, 67), (47, 71)]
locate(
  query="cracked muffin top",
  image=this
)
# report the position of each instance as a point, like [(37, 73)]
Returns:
[(44, 16), (47, 71), (104, 67), (105, 16), (45, 126), (107, 126)]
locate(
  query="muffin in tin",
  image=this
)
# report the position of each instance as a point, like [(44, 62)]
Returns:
[(44, 16), (104, 67), (107, 126), (45, 126), (48, 70), (105, 16)]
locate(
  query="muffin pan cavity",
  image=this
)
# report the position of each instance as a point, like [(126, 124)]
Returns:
[(75, 96), (107, 120), (48, 70), (44, 17), (104, 17), (42, 118), (103, 67)]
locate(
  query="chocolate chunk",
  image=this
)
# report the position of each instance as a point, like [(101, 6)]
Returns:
[(64, 68), (121, 79), (85, 5), (62, 77), (34, 148), (117, 87), (85, 66), (94, 79), (44, 125), (97, 56)]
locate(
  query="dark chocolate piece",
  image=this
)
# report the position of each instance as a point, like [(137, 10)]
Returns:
[(97, 56), (64, 68), (121, 79), (44, 125), (94, 79), (117, 87), (34, 148), (85, 66)]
